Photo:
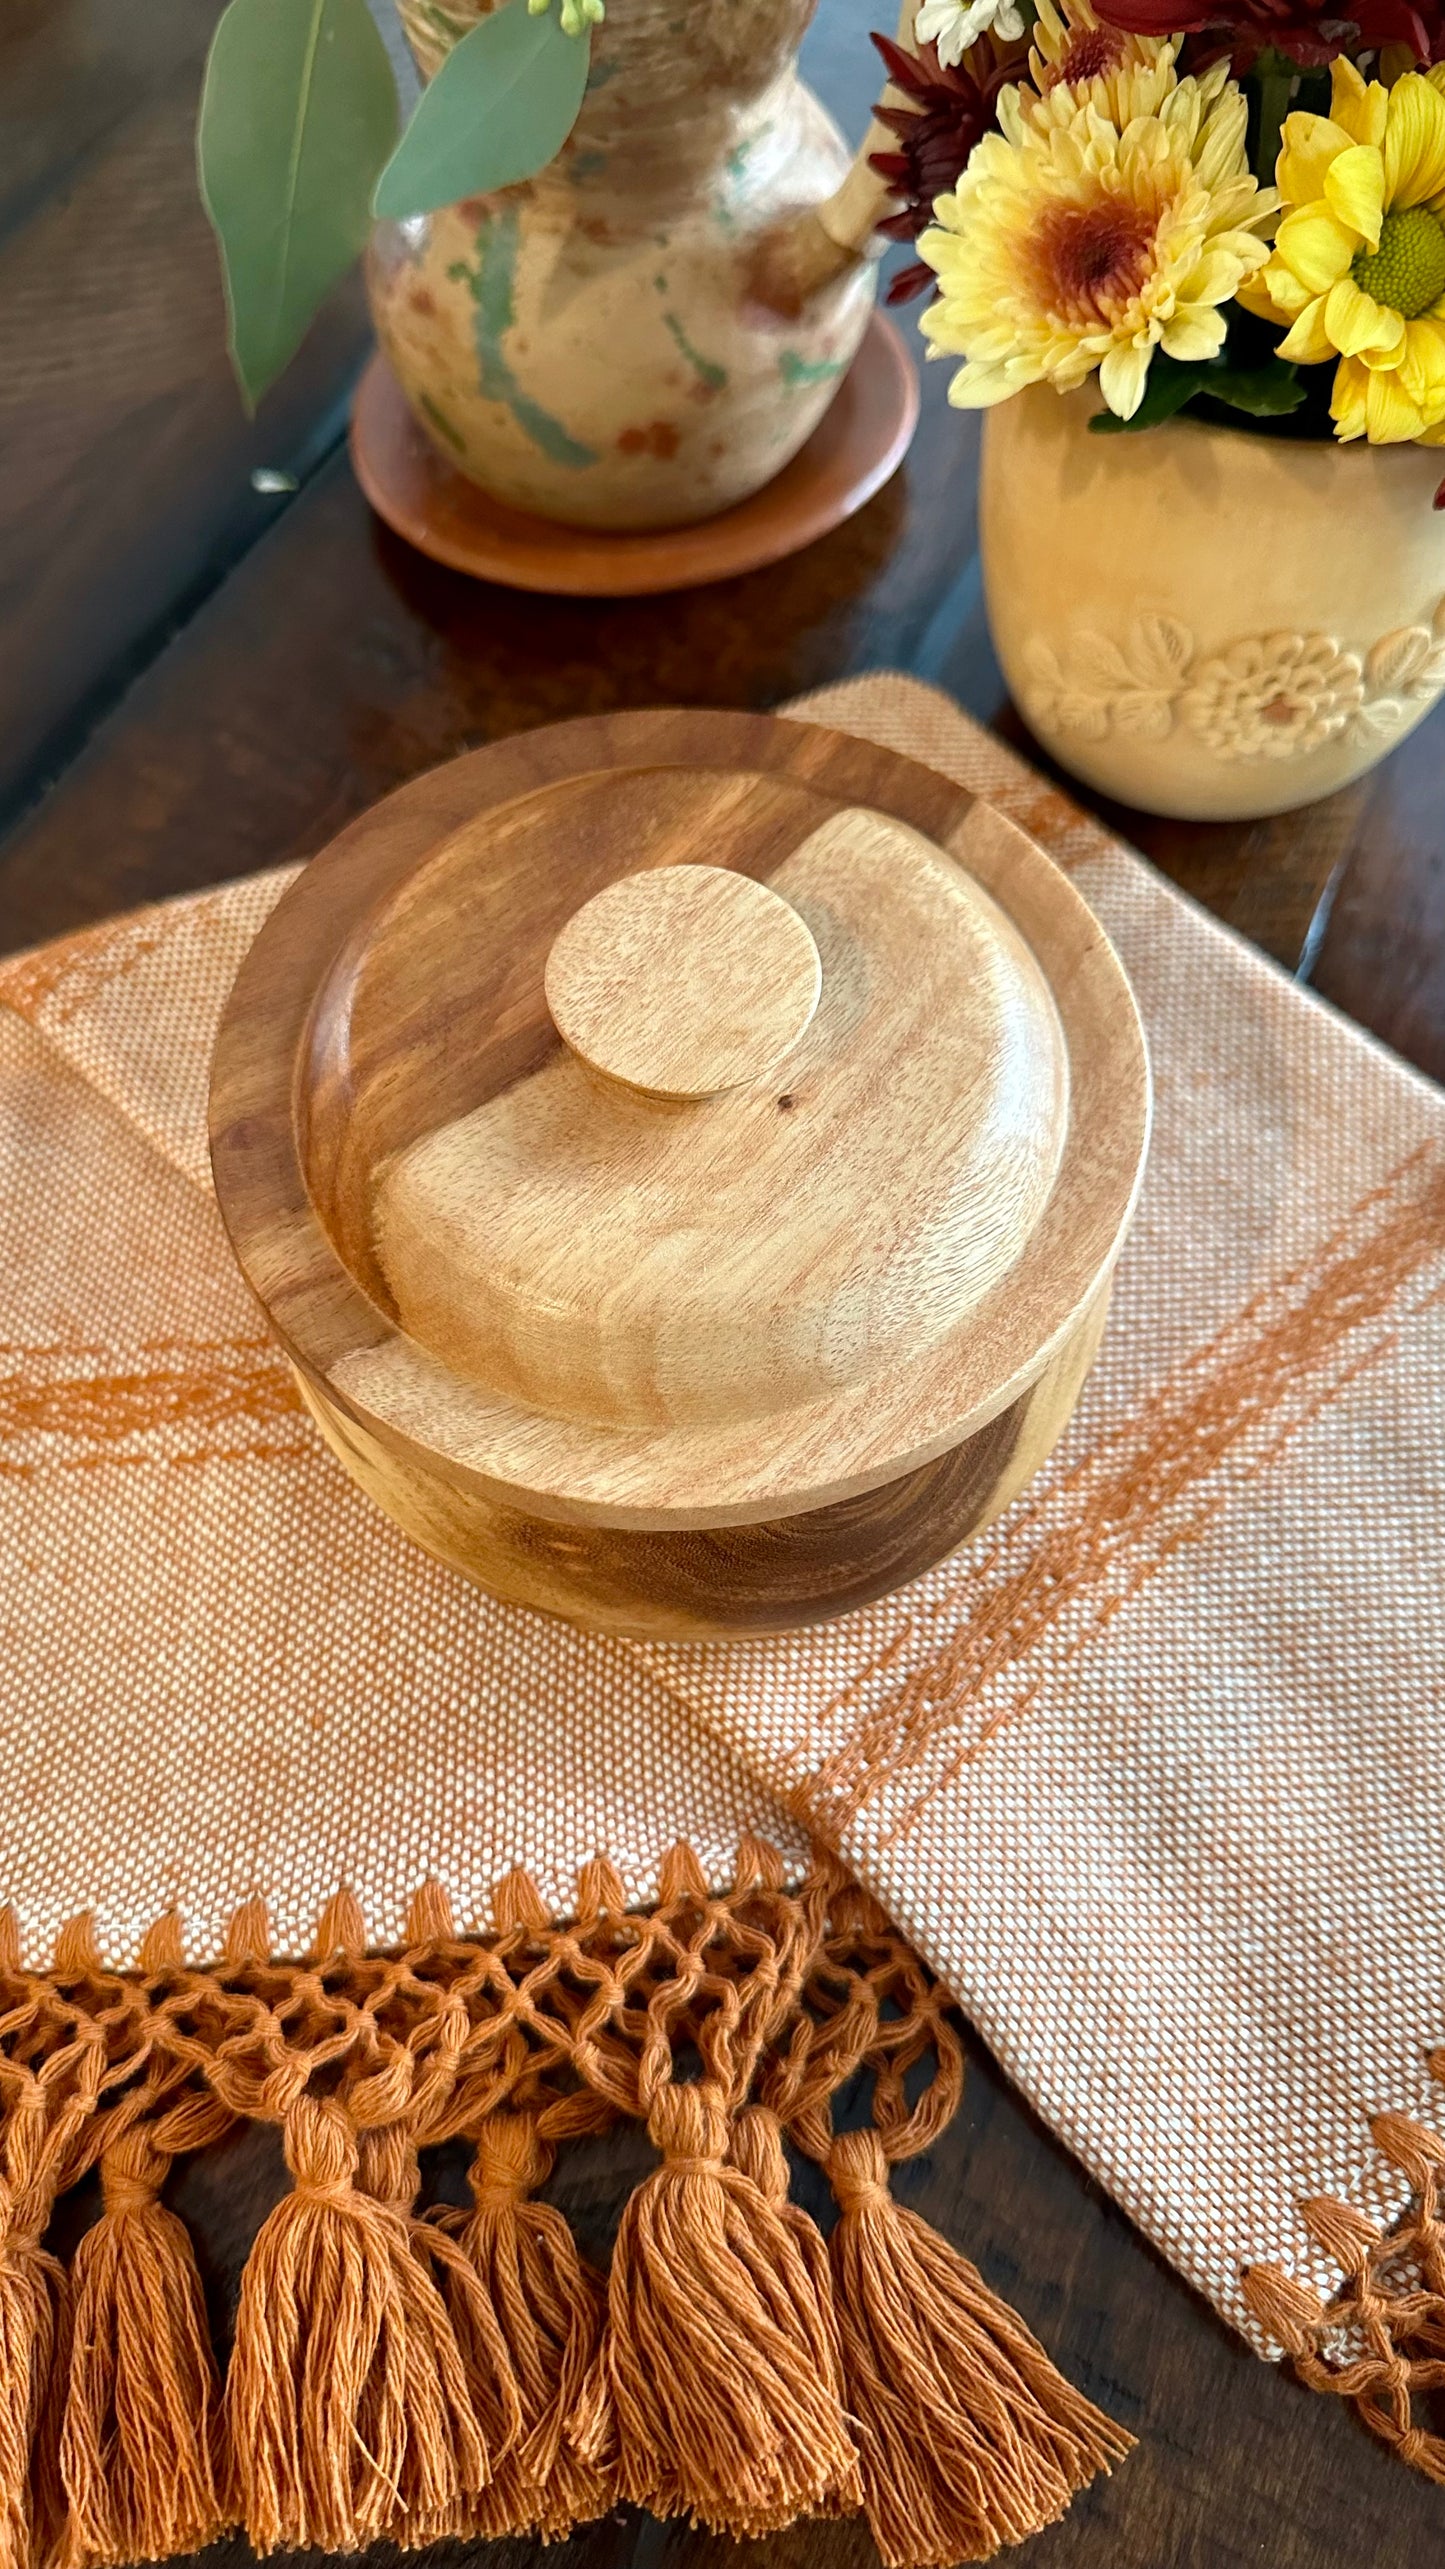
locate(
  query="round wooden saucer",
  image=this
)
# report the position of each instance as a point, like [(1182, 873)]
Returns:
[(861, 439)]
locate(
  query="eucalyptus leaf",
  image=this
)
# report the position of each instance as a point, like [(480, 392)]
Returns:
[(501, 106), (298, 114)]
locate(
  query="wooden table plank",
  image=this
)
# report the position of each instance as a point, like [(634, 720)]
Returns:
[(126, 493), (129, 496), (336, 663), (330, 664), (1381, 950)]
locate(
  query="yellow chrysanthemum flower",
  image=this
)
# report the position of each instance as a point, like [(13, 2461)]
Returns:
[(1074, 61), (1358, 269), (1072, 244)]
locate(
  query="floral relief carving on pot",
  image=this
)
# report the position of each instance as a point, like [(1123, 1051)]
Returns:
[(1273, 695)]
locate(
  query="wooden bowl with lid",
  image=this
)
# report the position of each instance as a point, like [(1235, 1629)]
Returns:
[(684, 1157)]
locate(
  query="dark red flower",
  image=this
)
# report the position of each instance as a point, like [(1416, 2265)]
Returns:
[(1306, 32), (948, 111)]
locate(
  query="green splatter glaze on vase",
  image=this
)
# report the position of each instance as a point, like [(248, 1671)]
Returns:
[(490, 285), (799, 373), (544, 348)]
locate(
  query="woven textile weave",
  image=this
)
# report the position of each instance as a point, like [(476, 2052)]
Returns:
[(1152, 1774)]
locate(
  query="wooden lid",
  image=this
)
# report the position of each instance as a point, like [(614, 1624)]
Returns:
[(679, 1118), (684, 981), (798, 1132)]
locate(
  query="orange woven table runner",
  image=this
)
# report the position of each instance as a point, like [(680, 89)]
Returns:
[(1151, 1776)]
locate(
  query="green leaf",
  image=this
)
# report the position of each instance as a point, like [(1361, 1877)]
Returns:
[(502, 105), (298, 114), (1167, 387), (1266, 392)]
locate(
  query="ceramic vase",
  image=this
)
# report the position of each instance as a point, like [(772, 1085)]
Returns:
[(624, 341), (1207, 623)]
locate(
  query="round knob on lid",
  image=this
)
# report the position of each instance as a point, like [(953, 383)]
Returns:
[(684, 981)]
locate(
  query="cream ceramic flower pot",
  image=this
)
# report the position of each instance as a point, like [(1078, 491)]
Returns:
[(598, 345), (1204, 622)]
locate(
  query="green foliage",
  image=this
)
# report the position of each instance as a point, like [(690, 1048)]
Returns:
[(1270, 389), (501, 106), (297, 138), (1167, 387), (298, 114)]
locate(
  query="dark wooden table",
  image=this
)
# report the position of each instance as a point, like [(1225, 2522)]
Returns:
[(198, 677)]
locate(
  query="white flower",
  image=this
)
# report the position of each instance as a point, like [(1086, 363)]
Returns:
[(953, 25)]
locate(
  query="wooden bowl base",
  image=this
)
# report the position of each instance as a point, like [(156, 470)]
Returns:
[(397, 999), (707, 1583)]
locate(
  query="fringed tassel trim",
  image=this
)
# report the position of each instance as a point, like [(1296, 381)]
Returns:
[(144, 2466), (411, 2374), (968, 2439), (718, 2363), (1379, 2342), (548, 2306)]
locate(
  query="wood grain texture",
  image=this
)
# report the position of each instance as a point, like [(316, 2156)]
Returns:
[(331, 665), (605, 1257), (683, 982), (398, 1138), (703, 1582), (397, 665)]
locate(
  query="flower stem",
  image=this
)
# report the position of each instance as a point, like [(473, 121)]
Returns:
[(1272, 81)]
